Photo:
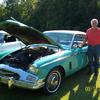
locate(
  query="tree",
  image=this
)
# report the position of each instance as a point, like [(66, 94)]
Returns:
[(66, 14), (53, 14), (20, 9)]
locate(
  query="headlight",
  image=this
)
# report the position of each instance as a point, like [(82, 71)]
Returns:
[(33, 69)]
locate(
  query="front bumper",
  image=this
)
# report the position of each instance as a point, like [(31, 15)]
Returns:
[(23, 84), (22, 81)]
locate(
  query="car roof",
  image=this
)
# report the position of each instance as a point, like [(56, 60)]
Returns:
[(65, 31), (3, 32)]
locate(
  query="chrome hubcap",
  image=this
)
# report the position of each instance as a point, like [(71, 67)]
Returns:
[(53, 81)]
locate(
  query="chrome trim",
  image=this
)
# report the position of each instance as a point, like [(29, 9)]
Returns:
[(72, 41), (20, 83), (62, 58), (56, 60)]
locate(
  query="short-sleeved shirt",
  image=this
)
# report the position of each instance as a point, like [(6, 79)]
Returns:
[(93, 36)]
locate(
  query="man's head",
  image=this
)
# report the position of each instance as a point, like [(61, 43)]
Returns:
[(94, 23)]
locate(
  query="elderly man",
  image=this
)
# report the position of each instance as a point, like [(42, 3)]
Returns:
[(93, 40)]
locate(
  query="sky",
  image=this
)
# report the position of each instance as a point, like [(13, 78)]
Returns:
[(1, 1)]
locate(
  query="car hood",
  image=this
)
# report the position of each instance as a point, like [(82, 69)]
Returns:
[(25, 33)]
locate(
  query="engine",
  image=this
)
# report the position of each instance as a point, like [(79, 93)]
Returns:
[(24, 57)]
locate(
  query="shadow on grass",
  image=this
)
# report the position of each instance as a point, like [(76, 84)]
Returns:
[(79, 86)]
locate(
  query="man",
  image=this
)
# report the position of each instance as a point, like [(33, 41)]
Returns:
[(93, 40)]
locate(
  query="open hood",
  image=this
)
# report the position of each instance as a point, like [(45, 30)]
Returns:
[(27, 34)]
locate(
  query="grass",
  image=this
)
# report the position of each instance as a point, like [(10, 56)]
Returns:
[(79, 86)]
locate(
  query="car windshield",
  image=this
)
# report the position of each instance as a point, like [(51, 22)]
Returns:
[(64, 39)]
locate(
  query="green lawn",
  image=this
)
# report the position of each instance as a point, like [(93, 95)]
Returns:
[(79, 86)]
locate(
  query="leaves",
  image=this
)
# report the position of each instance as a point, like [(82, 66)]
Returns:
[(52, 14)]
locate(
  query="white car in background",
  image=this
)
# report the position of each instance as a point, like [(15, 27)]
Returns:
[(8, 42)]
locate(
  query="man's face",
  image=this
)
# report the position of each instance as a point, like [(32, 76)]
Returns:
[(94, 24)]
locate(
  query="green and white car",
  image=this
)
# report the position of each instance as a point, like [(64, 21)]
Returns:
[(46, 60)]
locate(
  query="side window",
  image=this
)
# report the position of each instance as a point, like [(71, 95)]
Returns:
[(8, 38), (79, 38), (5, 37)]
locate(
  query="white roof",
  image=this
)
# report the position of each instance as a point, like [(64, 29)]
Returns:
[(3, 32), (65, 31)]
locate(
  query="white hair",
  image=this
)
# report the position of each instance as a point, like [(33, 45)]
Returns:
[(94, 20)]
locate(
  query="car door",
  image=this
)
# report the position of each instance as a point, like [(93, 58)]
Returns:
[(80, 57)]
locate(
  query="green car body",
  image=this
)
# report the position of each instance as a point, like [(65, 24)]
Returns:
[(45, 61)]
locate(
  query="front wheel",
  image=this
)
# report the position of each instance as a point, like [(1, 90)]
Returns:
[(53, 81)]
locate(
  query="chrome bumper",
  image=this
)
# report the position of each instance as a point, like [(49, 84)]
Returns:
[(23, 81), (20, 83)]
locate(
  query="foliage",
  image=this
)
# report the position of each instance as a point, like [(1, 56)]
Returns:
[(67, 14), (52, 14)]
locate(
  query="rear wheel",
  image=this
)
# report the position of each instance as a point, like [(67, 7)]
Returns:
[(53, 81)]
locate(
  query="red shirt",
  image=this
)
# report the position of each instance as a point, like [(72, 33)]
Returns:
[(93, 36)]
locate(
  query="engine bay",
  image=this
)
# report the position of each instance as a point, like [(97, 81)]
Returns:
[(23, 57)]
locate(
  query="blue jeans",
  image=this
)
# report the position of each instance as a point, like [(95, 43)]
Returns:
[(94, 57)]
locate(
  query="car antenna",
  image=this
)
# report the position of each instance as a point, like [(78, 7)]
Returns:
[(13, 18)]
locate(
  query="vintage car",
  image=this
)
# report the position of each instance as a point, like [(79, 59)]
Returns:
[(7, 42), (46, 60)]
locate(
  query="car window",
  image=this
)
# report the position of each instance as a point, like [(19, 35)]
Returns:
[(79, 38), (8, 38), (61, 38)]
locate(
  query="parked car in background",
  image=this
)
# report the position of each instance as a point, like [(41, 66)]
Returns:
[(2, 35), (9, 43), (46, 60)]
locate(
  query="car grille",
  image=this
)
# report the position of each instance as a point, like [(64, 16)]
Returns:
[(7, 73)]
